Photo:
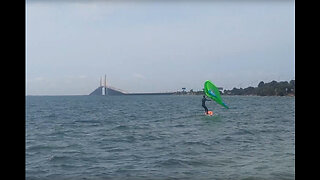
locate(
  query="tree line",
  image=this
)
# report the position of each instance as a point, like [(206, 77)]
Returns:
[(272, 88)]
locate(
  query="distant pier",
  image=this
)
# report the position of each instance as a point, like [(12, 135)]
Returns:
[(165, 93), (104, 90), (110, 91)]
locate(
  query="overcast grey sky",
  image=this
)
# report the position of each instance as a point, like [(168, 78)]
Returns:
[(156, 47)]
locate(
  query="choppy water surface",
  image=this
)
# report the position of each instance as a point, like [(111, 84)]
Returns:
[(159, 137)]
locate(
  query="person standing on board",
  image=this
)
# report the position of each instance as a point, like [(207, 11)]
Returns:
[(204, 99)]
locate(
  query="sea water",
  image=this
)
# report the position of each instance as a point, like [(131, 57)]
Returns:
[(159, 137)]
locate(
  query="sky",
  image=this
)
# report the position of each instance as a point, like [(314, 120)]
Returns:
[(155, 46)]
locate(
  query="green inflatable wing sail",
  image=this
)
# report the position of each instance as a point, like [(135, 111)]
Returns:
[(213, 92)]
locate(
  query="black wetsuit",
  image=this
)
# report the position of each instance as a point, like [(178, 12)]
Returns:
[(204, 104)]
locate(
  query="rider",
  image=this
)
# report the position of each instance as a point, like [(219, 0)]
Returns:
[(204, 104)]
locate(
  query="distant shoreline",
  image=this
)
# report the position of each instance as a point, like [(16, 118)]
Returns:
[(237, 95), (157, 94), (272, 88)]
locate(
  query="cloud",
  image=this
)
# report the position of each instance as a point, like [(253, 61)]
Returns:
[(153, 1), (82, 76), (159, 47), (35, 80), (138, 76)]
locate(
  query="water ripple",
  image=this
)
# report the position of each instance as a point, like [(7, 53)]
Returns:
[(159, 137)]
